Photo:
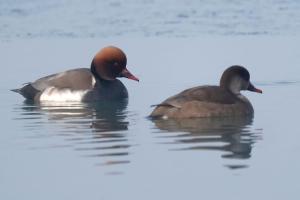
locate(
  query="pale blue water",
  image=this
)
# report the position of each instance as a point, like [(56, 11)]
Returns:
[(147, 18), (112, 150)]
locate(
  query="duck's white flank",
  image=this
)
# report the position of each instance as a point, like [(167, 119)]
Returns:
[(62, 95)]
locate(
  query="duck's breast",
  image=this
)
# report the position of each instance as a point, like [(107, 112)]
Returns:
[(107, 90)]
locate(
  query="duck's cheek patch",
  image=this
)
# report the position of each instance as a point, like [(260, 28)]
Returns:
[(62, 95)]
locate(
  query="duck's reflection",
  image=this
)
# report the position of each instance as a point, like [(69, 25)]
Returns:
[(97, 129), (232, 136), (104, 116)]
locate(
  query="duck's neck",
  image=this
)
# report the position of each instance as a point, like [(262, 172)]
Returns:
[(234, 85), (96, 75), (243, 98), (93, 70)]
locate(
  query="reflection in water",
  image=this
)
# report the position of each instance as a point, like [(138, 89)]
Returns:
[(232, 136), (97, 129)]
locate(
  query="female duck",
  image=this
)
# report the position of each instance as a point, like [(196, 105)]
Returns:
[(211, 101), (83, 84)]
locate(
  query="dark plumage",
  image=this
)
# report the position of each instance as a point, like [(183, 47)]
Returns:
[(84, 84), (211, 101)]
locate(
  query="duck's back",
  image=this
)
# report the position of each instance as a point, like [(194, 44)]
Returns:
[(75, 79), (203, 101)]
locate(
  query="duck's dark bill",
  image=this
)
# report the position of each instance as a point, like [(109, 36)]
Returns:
[(254, 89), (127, 74)]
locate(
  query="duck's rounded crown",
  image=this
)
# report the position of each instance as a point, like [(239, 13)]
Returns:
[(110, 63)]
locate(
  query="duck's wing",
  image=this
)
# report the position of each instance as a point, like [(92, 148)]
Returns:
[(213, 94), (76, 79)]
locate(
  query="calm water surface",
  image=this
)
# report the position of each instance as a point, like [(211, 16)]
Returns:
[(111, 150), (149, 18)]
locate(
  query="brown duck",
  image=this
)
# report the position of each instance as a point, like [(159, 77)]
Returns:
[(211, 101)]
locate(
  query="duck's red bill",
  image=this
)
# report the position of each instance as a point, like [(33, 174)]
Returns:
[(254, 89), (127, 74)]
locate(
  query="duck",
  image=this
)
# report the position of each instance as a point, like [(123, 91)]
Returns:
[(224, 100), (99, 82)]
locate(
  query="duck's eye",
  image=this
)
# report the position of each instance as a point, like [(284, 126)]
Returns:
[(117, 68)]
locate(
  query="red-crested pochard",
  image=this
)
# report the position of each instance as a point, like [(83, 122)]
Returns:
[(97, 83), (211, 101)]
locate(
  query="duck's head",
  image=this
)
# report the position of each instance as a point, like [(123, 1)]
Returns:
[(110, 63), (237, 78)]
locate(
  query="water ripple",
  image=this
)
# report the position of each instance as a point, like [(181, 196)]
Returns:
[(233, 137), (95, 130), (89, 19), (279, 83)]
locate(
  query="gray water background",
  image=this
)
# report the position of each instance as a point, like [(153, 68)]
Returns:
[(113, 151), (147, 18)]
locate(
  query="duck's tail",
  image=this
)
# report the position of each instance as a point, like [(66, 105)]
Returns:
[(16, 90), (27, 91)]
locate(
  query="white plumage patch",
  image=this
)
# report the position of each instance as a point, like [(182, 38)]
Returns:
[(62, 95), (165, 117), (93, 81)]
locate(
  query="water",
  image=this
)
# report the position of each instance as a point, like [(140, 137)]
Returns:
[(111, 150), (149, 18)]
